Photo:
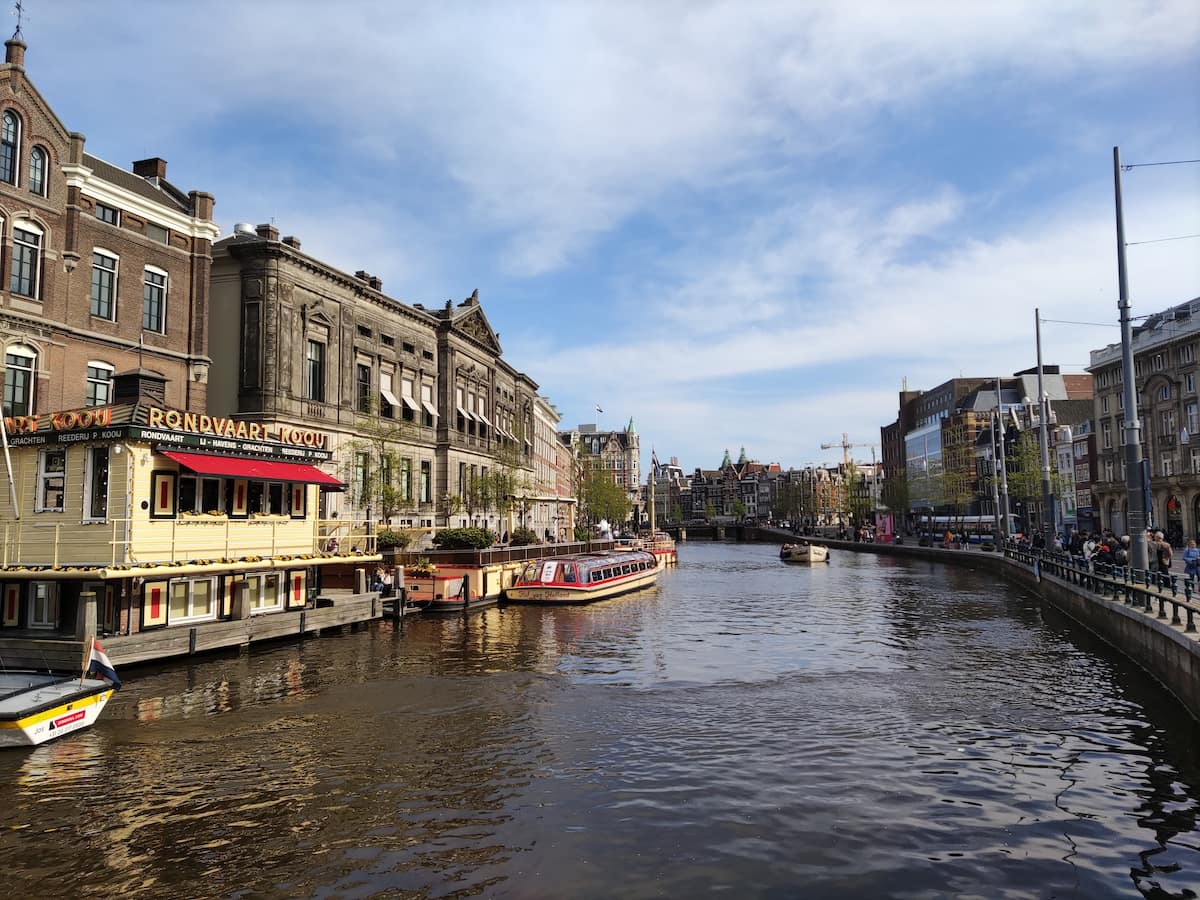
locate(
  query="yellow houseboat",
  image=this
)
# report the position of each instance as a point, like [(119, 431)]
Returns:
[(167, 531)]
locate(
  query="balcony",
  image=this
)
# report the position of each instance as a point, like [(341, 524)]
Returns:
[(57, 548)]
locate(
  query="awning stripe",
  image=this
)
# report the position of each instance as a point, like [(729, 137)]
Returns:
[(257, 469)]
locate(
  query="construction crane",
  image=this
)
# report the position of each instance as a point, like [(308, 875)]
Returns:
[(847, 447)]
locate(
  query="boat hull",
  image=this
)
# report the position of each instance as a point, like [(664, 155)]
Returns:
[(47, 709), (807, 554), (567, 595)]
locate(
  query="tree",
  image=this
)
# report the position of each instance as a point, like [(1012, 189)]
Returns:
[(895, 493), (373, 461), (739, 510), (604, 498)]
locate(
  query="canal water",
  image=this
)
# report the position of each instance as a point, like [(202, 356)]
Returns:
[(870, 728)]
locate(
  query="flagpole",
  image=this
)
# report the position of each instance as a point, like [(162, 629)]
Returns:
[(12, 487), (87, 660)]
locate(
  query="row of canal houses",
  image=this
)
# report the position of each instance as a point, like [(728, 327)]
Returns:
[(194, 422)]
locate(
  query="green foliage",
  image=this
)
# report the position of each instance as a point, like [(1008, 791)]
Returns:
[(464, 538), (581, 533), (604, 498), (523, 536), (396, 538), (895, 495)]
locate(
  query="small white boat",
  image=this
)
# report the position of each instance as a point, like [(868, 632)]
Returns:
[(584, 577), (804, 552), (36, 707)]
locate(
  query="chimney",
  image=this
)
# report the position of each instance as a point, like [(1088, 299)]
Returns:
[(139, 386), (268, 232), (14, 52), (361, 275), (202, 205), (154, 167), (376, 283), (292, 241)]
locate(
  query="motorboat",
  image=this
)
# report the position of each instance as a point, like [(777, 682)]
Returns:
[(584, 577), (804, 552), (36, 707)]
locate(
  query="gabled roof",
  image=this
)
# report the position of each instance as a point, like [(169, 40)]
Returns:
[(157, 190)]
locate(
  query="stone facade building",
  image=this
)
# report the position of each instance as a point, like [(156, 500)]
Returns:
[(102, 270), (1165, 349)]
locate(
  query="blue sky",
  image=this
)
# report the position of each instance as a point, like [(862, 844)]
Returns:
[(740, 224)]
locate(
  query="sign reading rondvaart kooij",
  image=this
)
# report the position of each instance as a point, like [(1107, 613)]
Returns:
[(171, 427)]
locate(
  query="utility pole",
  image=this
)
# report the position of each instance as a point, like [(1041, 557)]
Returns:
[(1134, 486), (1048, 523), (1003, 464)]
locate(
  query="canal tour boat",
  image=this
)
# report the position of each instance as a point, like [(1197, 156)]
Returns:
[(804, 552), (661, 544), (584, 577)]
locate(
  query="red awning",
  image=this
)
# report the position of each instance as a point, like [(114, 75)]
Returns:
[(258, 469)]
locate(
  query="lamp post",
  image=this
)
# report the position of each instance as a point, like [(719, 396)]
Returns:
[(1048, 523), (1135, 484), (1003, 465)]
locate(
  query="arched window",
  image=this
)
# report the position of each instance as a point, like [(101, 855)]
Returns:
[(26, 259), (37, 171), (99, 383), (10, 136), (20, 367)]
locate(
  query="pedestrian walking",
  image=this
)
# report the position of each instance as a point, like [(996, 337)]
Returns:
[(1191, 560)]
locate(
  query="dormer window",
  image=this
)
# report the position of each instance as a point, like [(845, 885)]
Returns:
[(10, 135), (37, 171)]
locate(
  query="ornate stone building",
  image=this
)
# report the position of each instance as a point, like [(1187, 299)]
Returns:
[(1164, 349), (103, 270)]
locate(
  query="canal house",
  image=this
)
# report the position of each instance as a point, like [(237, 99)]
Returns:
[(156, 525)]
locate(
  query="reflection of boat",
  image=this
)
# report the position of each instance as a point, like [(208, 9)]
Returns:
[(661, 544), (804, 552), (36, 707), (584, 577)]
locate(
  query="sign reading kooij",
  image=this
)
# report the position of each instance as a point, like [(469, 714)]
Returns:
[(170, 426)]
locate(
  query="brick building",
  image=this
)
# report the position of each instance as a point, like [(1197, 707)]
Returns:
[(102, 270)]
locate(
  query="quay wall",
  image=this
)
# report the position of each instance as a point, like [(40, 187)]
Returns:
[(1153, 636)]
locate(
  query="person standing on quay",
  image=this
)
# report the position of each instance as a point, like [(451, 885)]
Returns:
[(1163, 553), (1191, 560)]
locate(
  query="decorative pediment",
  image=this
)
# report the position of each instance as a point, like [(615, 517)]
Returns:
[(473, 324)]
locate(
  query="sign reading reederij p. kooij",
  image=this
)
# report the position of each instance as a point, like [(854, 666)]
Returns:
[(171, 427)]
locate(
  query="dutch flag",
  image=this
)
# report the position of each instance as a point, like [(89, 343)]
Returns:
[(99, 665)]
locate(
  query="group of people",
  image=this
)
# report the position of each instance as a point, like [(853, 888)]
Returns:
[(1108, 549), (383, 582)]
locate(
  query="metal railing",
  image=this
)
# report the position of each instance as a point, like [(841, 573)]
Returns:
[(1151, 592), (28, 542)]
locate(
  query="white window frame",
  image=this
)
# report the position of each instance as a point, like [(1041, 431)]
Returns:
[(35, 279), (89, 481), (1187, 353), (29, 353), (191, 615), (1165, 392), (1166, 465), (147, 284), (45, 475), (1104, 404), (43, 604), (116, 278), (108, 382), (260, 578)]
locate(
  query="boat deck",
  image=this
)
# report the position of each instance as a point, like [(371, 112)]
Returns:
[(25, 693)]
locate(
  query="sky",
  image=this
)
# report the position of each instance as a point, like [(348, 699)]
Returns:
[(741, 225)]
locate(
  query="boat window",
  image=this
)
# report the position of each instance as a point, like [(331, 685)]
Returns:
[(530, 573), (625, 570), (596, 574), (568, 573)]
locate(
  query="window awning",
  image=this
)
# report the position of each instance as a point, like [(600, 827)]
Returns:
[(462, 412), (430, 408), (484, 419), (256, 469), (409, 401), (389, 397)]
